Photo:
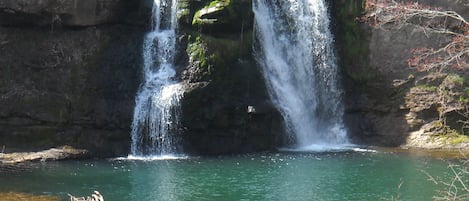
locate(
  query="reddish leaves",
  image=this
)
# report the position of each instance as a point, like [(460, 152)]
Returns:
[(389, 14)]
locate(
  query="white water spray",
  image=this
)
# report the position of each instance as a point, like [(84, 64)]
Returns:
[(157, 109), (294, 48)]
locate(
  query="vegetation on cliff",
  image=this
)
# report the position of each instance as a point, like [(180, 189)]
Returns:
[(437, 96)]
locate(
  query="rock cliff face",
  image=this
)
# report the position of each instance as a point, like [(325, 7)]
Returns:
[(70, 70), (63, 12), (387, 102), (226, 108), (70, 86), (67, 84)]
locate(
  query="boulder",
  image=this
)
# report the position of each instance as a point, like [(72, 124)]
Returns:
[(223, 15)]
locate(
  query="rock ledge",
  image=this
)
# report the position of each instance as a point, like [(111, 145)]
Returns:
[(61, 153)]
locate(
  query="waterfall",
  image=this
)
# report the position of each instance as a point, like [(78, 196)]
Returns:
[(294, 47), (157, 110)]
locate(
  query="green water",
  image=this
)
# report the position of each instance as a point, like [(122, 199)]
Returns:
[(276, 176)]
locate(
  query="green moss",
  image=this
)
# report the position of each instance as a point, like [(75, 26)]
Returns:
[(427, 88), (197, 52), (447, 135), (454, 79), (458, 139), (400, 93), (211, 8), (463, 99), (354, 41), (183, 13), (451, 139), (454, 88), (212, 54), (219, 3)]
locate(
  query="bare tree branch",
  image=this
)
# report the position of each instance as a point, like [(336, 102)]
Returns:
[(390, 14)]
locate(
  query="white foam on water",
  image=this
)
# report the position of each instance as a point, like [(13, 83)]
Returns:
[(153, 157), (319, 148)]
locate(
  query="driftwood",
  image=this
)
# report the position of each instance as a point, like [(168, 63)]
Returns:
[(96, 196), (61, 153)]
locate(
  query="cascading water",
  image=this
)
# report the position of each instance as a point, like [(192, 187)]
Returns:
[(294, 48), (157, 110)]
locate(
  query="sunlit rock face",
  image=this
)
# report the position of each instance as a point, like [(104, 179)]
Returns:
[(387, 101)]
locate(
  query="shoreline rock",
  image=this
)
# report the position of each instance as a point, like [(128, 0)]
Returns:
[(432, 136), (53, 154), (27, 197)]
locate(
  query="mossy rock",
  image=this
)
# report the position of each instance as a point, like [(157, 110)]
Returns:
[(223, 15), (447, 135), (187, 9), (453, 82), (210, 55), (353, 39), (212, 13)]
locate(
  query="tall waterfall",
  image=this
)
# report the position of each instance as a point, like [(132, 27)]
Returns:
[(294, 48), (157, 109)]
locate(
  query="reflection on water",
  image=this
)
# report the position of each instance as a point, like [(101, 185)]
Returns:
[(153, 157), (434, 153), (278, 176), (155, 183)]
